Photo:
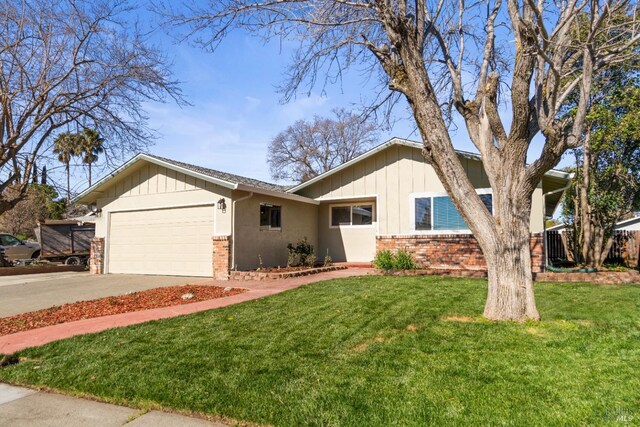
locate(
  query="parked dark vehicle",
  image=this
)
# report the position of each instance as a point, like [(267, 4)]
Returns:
[(65, 240), (15, 248)]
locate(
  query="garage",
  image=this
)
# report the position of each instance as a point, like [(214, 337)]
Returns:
[(170, 241)]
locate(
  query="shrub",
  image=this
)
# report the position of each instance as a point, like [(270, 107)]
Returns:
[(404, 261), (311, 260), (300, 253), (328, 262), (384, 260)]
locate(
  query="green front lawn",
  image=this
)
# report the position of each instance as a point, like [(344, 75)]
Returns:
[(370, 351)]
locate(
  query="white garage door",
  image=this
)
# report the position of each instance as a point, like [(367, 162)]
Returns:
[(173, 241)]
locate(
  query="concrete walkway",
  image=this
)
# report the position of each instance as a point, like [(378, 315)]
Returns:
[(257, 289), (22, 407)]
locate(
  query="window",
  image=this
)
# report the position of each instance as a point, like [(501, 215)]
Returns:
[(357, 214), (270, 217), (437, 213), (8, 240)]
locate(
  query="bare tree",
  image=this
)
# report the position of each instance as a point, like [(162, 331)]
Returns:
[(24, 216), (72, 64), (310, 147), (461, 57)]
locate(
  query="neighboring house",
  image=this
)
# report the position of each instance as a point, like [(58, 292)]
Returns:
[(159, 216), (631, 224)]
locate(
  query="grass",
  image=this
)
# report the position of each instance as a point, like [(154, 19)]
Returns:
[(369, 351)]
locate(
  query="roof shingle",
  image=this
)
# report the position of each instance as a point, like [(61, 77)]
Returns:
[(224, 176)]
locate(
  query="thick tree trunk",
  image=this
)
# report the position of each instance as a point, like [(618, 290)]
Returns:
[(504, 237), (89, 174), (586, 225), (510, 289)]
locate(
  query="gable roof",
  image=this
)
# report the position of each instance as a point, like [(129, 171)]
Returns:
[(223, 179), (407, 143)]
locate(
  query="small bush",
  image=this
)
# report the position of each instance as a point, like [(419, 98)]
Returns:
[(384, 260), (403, 260), (300, 254), (328, 262), (311, 259)]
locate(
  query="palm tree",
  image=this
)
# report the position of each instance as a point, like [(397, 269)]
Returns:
[(91, 147), (66, 145)]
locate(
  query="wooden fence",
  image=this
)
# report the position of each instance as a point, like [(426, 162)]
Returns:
[(623, 251)]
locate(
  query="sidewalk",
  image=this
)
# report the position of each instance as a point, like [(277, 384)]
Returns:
[(25, 407), (257, 289)]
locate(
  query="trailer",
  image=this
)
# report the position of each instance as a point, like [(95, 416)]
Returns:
[(67, 240)]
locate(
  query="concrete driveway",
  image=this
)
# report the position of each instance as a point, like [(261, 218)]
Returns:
[(21, 294)]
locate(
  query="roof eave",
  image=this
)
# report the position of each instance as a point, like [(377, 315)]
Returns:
[(85, 198), (279, 194)]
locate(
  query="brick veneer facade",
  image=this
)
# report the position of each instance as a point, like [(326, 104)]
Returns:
[(96, 256), (221, 257), (459, 251)]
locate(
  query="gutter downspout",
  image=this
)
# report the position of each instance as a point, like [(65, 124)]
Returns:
[(233, 229), (544, 223)]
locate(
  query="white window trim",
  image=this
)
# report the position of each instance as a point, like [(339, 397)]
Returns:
[(373, 212), (412, 211)]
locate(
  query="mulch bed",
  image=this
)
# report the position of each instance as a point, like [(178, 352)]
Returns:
[(143, 300), (281, 273), (282, 269)]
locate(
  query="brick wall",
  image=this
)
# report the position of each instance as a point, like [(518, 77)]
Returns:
[(537, 253), (96, 257), (221, 257), (460, 251)]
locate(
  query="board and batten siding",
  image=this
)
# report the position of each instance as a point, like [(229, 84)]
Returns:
[(393, 175), (150, 186)]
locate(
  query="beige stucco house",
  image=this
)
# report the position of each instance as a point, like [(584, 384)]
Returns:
[(159, 216)]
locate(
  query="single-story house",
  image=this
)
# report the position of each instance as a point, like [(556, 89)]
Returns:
[(160, 216)]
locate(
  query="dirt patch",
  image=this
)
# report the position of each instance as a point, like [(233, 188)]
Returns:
[(363, 346), (136, 301), (460, 319), (536, 331), (411, 328)]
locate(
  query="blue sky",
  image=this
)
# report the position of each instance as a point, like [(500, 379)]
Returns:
[(236, 107)]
